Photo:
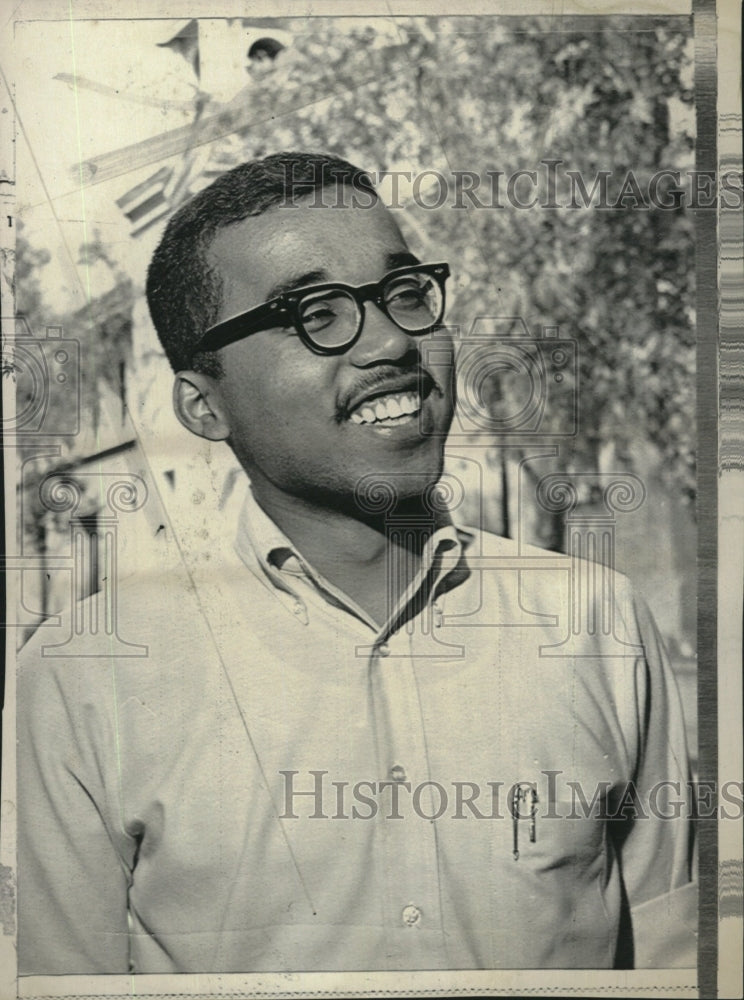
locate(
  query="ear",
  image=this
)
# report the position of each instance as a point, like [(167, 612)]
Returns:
[(198, 404)]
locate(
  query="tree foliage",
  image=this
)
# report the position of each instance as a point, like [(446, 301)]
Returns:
[(487, 94)]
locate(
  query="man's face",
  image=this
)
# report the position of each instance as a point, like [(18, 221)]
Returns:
[(313, 425)]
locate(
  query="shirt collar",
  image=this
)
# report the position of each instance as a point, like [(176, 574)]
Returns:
[(261, 543), (258, 535)]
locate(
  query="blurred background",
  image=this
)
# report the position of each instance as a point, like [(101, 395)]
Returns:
[(576, 315)]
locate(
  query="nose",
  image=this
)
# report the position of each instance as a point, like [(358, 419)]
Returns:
[(381, 340)]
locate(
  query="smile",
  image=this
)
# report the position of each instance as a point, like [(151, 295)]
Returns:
[(389, 410)]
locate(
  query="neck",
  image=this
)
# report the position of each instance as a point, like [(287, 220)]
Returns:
[(351, 549)]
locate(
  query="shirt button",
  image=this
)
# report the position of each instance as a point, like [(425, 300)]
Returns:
[(383, 650), (411, 915), (397, 773), (298, 608)]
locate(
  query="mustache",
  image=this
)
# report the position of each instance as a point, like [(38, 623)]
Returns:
[(393, 378)]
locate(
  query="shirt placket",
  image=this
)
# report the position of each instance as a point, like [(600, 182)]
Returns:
[(408, 835), (409, 797), (407, 801)]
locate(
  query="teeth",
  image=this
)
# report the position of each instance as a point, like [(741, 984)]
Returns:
[(399, 404), (410, 402)]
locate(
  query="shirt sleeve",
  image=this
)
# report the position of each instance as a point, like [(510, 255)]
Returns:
[(72, 880), (653, 828)]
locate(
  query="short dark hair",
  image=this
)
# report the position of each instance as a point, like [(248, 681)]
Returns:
[(184, 293)]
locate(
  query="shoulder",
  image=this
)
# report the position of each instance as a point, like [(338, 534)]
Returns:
[(142, 623), (546, 578), (486, 542), (480, 542)]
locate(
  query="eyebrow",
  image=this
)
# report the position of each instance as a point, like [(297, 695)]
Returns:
[(400, 258), (297, 281)]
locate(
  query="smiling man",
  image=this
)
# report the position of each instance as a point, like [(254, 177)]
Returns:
[(353, 744), (321, 383)]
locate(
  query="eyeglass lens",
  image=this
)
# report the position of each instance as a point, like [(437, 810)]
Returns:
[(331, 318)]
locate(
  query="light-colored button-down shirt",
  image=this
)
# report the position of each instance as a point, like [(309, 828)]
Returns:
[(282, 784)]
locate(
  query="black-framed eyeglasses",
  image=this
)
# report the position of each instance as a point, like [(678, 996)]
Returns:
[(329, 317)]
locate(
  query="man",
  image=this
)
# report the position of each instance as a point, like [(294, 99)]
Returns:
[(352, 744)]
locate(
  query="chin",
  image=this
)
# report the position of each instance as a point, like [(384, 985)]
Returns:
[(383, 489)]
